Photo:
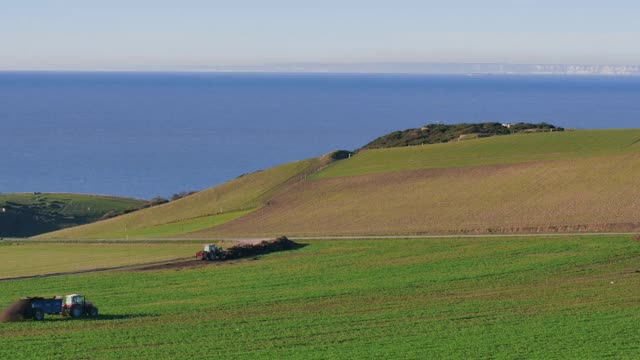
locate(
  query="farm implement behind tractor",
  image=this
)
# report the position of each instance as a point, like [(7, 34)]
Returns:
[(214, 253), (74, 305)]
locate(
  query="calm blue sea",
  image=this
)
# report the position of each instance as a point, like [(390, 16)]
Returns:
[(142, 134)]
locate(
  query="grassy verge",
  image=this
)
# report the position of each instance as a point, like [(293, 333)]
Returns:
[(574, 297)]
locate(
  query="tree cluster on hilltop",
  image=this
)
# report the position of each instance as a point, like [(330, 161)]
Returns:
[(442, 133)]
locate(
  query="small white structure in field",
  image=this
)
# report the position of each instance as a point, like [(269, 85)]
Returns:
[(508, 126)]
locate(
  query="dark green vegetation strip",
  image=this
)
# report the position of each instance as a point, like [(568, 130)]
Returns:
[(442, 133), (540, 298)]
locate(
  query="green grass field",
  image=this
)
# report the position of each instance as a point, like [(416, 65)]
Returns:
[(502, 298), (27, 214), (490, 151)]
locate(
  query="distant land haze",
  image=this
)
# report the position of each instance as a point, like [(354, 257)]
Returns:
[(441, 68), (149, 134)]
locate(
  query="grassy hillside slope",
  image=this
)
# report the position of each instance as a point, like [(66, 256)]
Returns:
[(585, 194), (573, 181), (510, 149), (28, 214), (538, 298), (201, 210)]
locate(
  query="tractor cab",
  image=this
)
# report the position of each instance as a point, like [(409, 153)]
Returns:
[(74, 299), (76, 305), (210, 248), (210, 253)]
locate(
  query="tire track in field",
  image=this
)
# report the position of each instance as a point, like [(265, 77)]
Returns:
[(85, 271)]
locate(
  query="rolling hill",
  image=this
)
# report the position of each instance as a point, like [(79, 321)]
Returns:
[(28, 214), (541, 182)]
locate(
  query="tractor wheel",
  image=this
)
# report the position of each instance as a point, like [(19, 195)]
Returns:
[(76, 312), (38, 315), (93, 312)]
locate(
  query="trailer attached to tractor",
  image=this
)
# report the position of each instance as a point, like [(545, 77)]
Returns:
[(74, 305)]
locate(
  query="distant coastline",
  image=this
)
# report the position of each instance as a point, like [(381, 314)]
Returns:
[(446, 69), (415, 68)]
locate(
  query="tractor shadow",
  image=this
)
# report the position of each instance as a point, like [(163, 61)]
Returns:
[(55, 318)]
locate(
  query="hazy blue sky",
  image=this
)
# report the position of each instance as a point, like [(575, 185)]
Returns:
[(200, 34)]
